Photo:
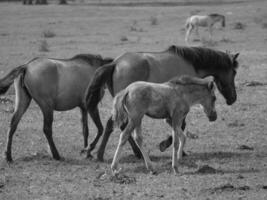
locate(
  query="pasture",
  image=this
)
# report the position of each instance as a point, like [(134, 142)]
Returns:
[(228, 160)]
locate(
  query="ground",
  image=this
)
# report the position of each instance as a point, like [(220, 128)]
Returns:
[(228, 160)]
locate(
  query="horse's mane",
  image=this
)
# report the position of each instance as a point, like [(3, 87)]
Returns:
[(204, 58), (91, 58), (215, 15)]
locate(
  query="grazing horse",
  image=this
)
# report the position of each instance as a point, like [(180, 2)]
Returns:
[(159, 67), (171, 101), (55, 84), (193, 22)]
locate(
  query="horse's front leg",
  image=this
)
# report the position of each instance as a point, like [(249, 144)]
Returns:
[(167, 142)]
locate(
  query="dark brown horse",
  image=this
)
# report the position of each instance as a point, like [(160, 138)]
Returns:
[(55, 84), (160, 67)]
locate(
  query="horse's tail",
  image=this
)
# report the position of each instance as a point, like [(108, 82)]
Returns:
[(119, 112), (94, 92), (7, 80)]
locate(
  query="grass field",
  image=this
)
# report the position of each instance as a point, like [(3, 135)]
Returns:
[(235, 172)]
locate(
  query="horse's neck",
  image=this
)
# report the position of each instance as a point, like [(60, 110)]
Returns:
[(204, 73), (193, 94)]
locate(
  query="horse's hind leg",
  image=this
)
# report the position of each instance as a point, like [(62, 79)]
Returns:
[(84, 121), (123, 139), (134, 146), (47, 128), (22, 102), (96, 118), (108, 131), (139, 140)]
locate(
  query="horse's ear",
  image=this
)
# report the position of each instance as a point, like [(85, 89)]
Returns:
[(235, 56), (211, 86)]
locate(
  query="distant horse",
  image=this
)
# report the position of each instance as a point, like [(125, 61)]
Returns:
[(55, 84), (160, 67), (171, 100), (193, 22)]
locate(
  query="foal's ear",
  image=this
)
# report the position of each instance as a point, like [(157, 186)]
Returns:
[(211, 86)]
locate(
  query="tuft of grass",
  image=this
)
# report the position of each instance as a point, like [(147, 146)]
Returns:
[(124, 38), (154, 20), (239, 26), (44, 46), (48, 34), (264, 25), (226, 40)]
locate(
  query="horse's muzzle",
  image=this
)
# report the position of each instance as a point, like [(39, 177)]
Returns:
[(213, 116)]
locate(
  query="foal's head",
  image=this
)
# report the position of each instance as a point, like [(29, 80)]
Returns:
[(208, 101)]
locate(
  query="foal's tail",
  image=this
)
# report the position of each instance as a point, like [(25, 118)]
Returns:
[(94, 92), (7, 80), (119, 112)]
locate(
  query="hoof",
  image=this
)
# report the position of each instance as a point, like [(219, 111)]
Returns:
[(100, 158), (8, 158), (89, 156), (57, 157), (163, 146), (115, 172), (153, 172), (184, 154)]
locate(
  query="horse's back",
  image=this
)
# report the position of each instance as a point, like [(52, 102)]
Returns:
[(61, 83), (151, 67)]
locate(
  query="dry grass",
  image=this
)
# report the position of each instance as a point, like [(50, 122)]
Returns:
[(48, 34), (239, 26), (91, 29), (154, 20), (43, 46)]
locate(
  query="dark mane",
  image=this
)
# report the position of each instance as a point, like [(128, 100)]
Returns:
[(89, 58), (204, 58), (215, 15)]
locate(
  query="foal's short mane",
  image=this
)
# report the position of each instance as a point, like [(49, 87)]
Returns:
[(204, 58)]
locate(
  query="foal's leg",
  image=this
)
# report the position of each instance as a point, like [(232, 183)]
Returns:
[(22, 102), (47, 128), (108, 131), (188, 33), (96, 119), (123, 139), (139, 141), (166, 143)]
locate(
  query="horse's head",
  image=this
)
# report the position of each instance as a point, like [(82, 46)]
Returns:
[(225, 80), (208, 101)]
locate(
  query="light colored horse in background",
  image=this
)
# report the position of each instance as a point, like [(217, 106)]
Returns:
[(170, 100), (193, 22)]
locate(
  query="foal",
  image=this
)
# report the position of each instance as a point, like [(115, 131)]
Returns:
[(193, 22), (170, 100)]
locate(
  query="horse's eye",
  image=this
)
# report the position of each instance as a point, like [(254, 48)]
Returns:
[(214, 98)]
